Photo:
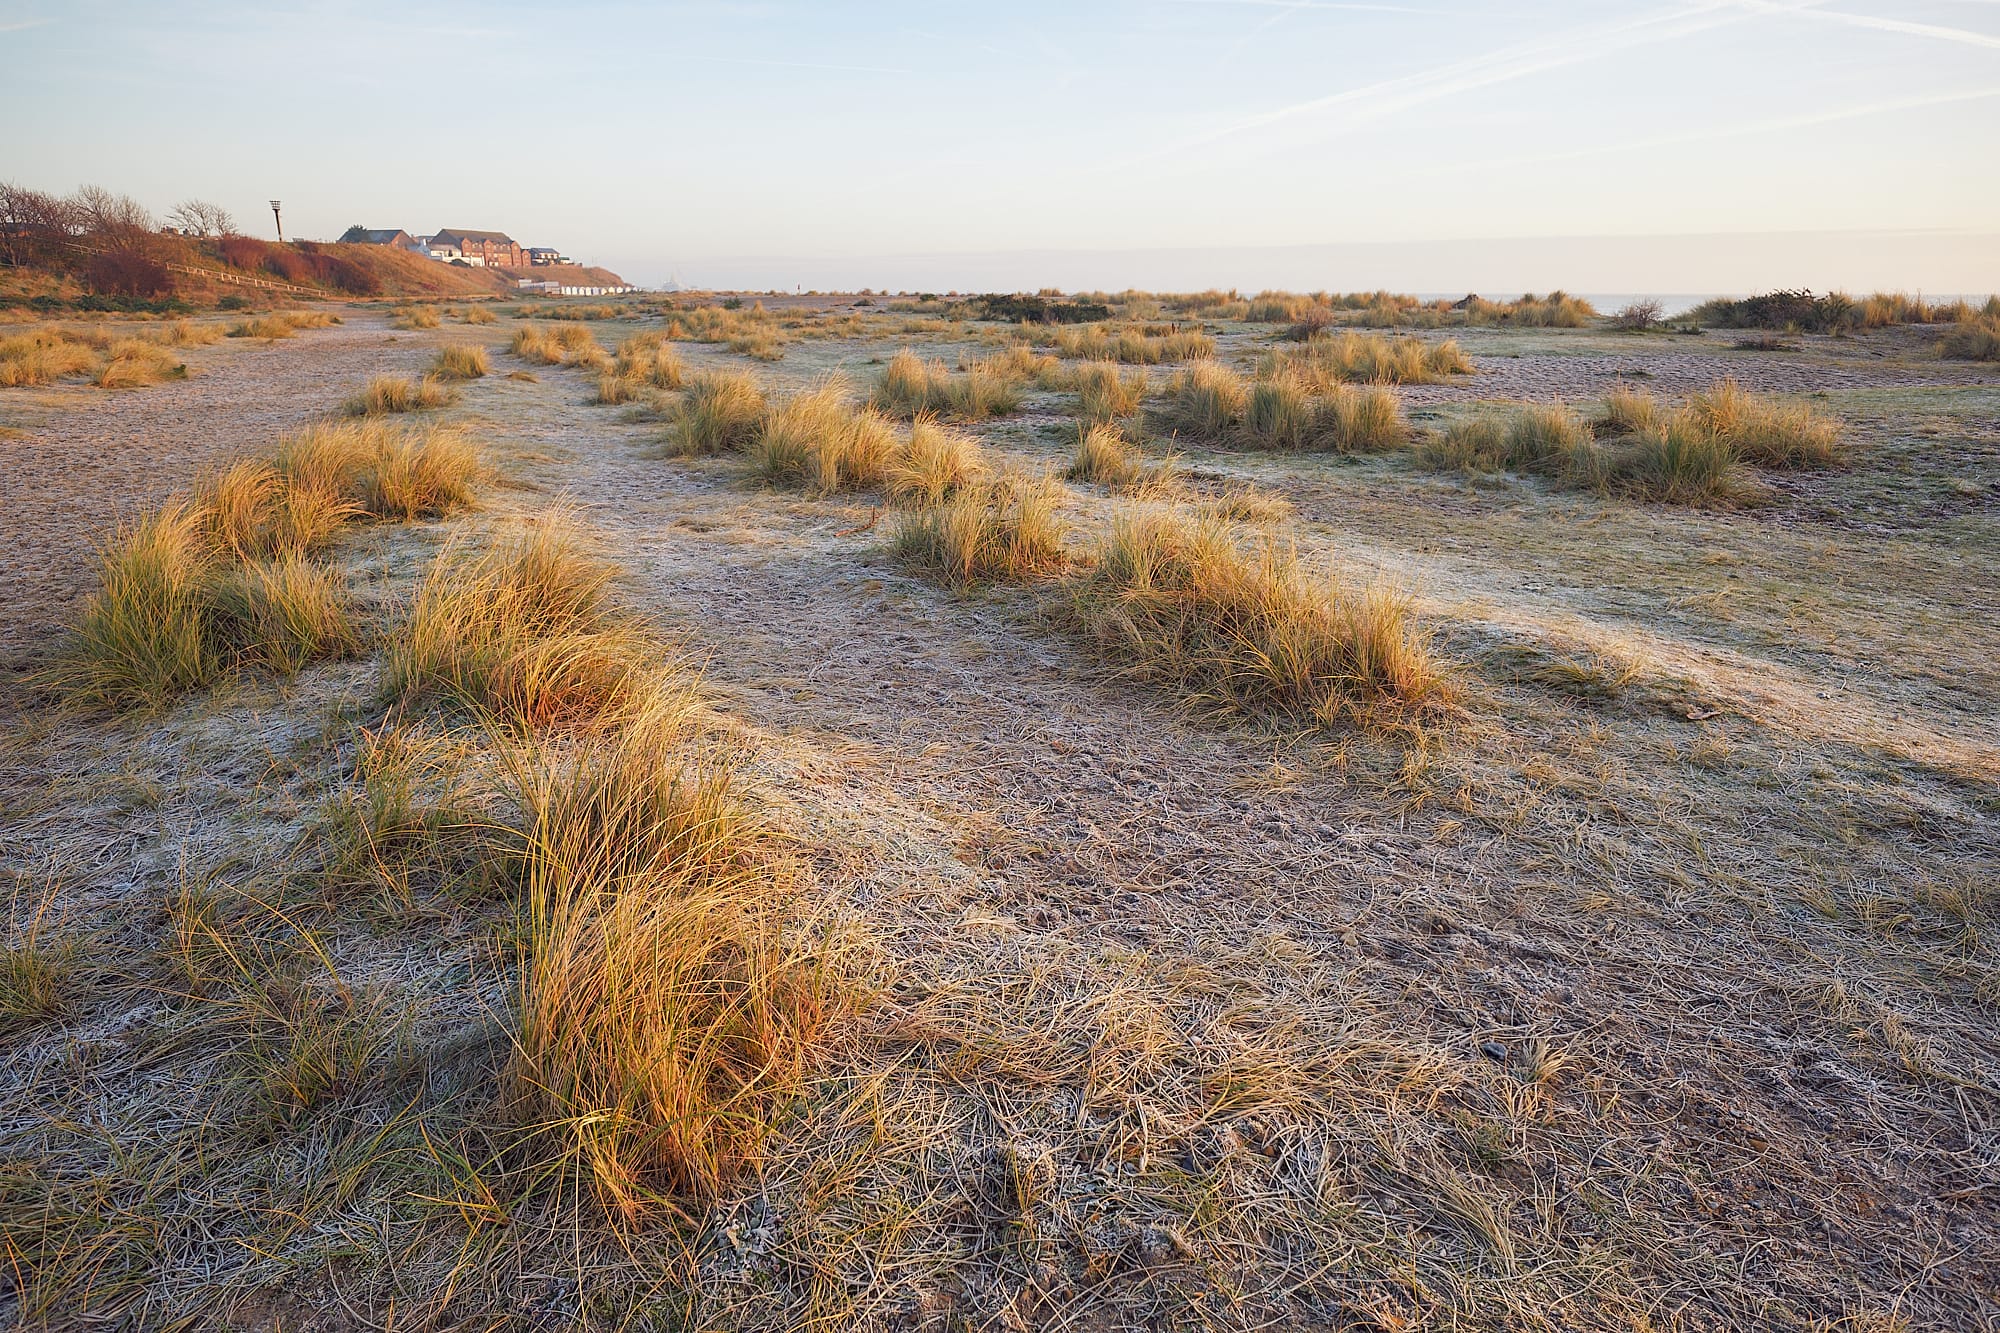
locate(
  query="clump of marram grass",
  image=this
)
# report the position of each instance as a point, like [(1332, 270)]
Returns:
[(1547, 437), (1104, 392), (520, 631), (1007, 528), (1204, 402), (144, 635), (389, 394), (479, 314), (935, 463), (911, 386), (720, 413), (648, 359), (283, 613), (131, 363), (1105, 457), (282, 325), (1759, 430), (460, 361), (383, 470), (1478, 444), (418, 317), (1177, 602), (1369, 358), (180, 601), (1974, 338), (1146, 346), (818, 440), (666, 1013), (565, 345), (1210, 403), (30, 360), (1678, 459), (186, 333)]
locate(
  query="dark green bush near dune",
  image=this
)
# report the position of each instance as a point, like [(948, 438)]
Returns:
[(1016, 309)]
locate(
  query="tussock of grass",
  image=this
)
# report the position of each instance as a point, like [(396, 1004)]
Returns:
[(144, 635), (1689, 455), (282, 325), (519, 631), (389, 394), (29, 360), (1209, 403), (1176, 601), (720, 414), (1103, 392), (131, 364), (1976, 338), (460, 361), (1132, 346), (648, 359), (479, 314), (418, 317), (187, 333), (566, 345), (284, 613), (1105, 457), (380, 469), (1204, 402), (666, 1014), (911, 386), (817, 440), (1370, 358), (1765, 432), (1004, 529), (935, 463)]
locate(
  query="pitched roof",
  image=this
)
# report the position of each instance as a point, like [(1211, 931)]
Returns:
[(459, 235), (375, 235)]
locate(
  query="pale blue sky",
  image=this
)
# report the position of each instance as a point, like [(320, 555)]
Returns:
[(1168, 142)]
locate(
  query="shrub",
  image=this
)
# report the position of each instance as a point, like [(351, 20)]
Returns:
[(935, 463), (1176, 602), (1781, 310), (720, 413), (1638, 317), (460, 361), (1001, 529)]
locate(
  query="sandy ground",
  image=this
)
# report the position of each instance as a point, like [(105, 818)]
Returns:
[(1665, 885)]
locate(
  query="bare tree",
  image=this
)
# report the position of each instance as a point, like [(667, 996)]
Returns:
[(198, 217), (115, 218), (33, 224)]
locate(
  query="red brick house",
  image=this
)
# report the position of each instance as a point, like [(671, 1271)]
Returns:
[(492, 249)]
